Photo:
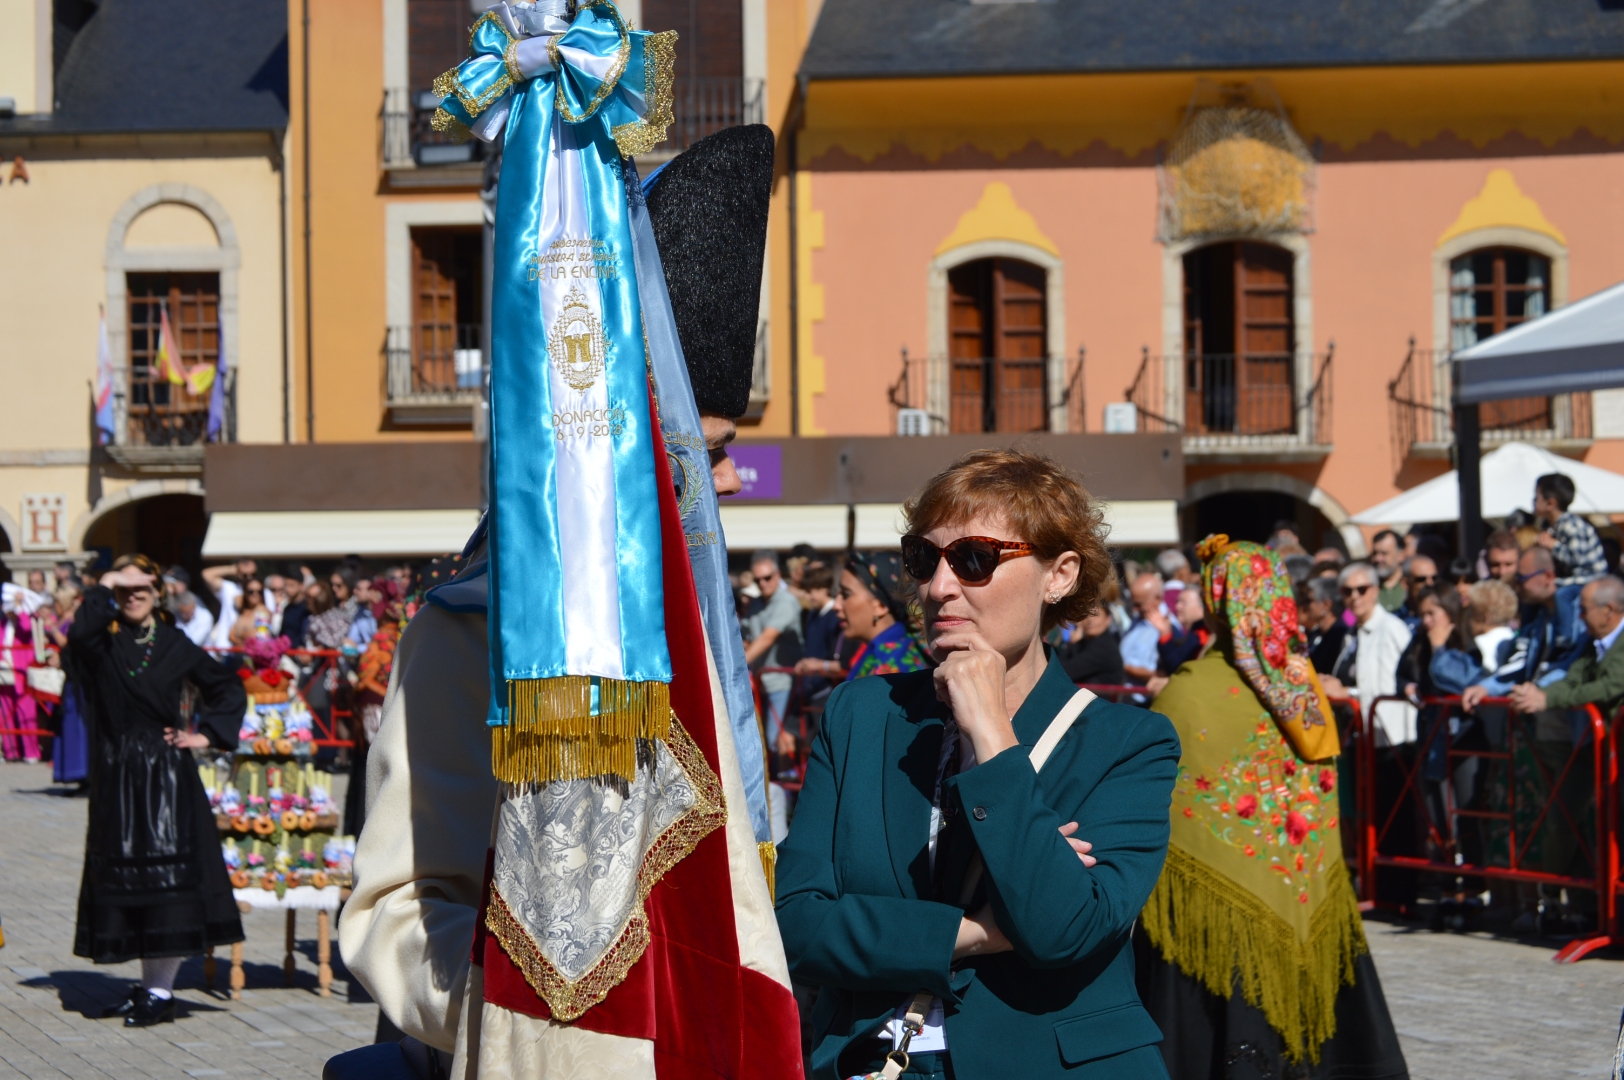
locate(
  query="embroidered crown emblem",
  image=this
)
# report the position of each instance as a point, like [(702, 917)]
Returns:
[(577, 344)]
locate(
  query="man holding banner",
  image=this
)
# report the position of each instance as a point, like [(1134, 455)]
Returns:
[(565, 869)]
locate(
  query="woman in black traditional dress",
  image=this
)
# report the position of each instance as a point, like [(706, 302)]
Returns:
[(155, 884)]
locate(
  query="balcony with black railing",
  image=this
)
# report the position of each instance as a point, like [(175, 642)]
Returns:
[(1422, 421), (1224, 403), (434, 374), (703, 105), (162, 427), (938, 395)]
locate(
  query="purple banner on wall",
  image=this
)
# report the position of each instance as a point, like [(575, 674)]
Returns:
[(761, 470)]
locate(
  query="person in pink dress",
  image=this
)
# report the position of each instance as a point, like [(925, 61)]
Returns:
[(18, 709)]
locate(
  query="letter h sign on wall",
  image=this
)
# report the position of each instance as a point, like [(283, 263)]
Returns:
[(45, 527)]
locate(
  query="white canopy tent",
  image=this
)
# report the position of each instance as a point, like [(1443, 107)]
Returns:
[(1575, 348), (1508, 473), (1578, 347)]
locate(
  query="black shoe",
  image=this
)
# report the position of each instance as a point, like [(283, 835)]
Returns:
[(127, 1006), (151, 1010)]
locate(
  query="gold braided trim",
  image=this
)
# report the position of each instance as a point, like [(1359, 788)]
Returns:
[(488, 17), (1220, 934), (609, 83), (450, 125), (553, 734), (448, 85), (510, 59), (769, 866), (659, 77), (569, 1001)]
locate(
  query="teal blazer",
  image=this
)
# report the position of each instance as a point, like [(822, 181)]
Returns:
[(854, 881)]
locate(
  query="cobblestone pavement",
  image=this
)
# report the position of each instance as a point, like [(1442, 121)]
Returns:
[(1467, 1006), (50, 1000)]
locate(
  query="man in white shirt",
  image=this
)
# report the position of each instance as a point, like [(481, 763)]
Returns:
[(1380, 639), (226, 581), (191, 617)]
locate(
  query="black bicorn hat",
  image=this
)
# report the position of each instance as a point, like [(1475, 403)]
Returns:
[(708, 206)]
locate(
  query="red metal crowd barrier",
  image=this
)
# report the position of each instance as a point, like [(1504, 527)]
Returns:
[(1370, 841), (1443, 840)]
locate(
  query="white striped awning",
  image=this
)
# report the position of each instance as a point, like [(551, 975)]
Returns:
[(779, 526), (336, 533)]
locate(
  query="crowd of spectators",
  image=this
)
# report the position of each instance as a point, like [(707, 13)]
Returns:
[(331, 634)]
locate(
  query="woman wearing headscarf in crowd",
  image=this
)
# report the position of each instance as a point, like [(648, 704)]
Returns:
[(1251, 948), (873, 610), (371, 686), (154, 885)]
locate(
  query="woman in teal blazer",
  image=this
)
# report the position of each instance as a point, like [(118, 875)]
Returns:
[(927, 855)]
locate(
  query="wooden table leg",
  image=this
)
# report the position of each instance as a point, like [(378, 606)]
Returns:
[(238, 980), (324, 952), (287, 960), (208, 969)]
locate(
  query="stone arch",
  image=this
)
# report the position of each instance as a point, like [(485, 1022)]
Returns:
[(141, 489), (1312, 494), (1054, 299), (223, 258)]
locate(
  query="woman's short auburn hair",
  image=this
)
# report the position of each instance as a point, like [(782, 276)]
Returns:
[(1039, 501)]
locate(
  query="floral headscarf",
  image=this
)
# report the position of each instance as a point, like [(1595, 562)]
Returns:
[(1246, 588), (881, 573)]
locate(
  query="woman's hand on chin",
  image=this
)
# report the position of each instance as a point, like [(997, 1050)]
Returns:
[(971, 681)]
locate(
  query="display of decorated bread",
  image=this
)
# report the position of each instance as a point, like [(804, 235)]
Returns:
[(290, 820), (239, 879), (240, 823), (268, 883), (307, 820), (284, 746), (319, 879), (264, 826)]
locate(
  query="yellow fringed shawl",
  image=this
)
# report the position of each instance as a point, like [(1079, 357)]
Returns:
[(1254, 893)]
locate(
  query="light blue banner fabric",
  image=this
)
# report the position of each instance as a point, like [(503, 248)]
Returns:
[(576, 584), (701, 519)]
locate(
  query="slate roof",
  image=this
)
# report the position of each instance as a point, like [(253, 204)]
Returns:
[(171, 66), (875, 38)]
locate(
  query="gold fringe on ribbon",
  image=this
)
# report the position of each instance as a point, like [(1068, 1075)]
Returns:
[(1221, 934), (553, 734), (769, 865)]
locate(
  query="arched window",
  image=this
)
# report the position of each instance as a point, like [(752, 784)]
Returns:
[(1240, 339), (162, 411), (997, 346), (1490, 290)]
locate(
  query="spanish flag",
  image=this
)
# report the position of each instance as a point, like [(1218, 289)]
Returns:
[(168, 361)]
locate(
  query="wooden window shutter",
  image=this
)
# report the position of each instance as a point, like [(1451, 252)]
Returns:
[(1265, 345)]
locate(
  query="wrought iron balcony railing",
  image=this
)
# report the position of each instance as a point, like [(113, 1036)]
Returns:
[(1225, 402), (937, 395), (408, 138), (1418, 401), (160, 427), (703, 105), (436, 370)]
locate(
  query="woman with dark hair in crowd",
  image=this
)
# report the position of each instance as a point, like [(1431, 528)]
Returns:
[(154, 885), (1093, 655), (1251, 950), (873, 609), (930, 885)]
